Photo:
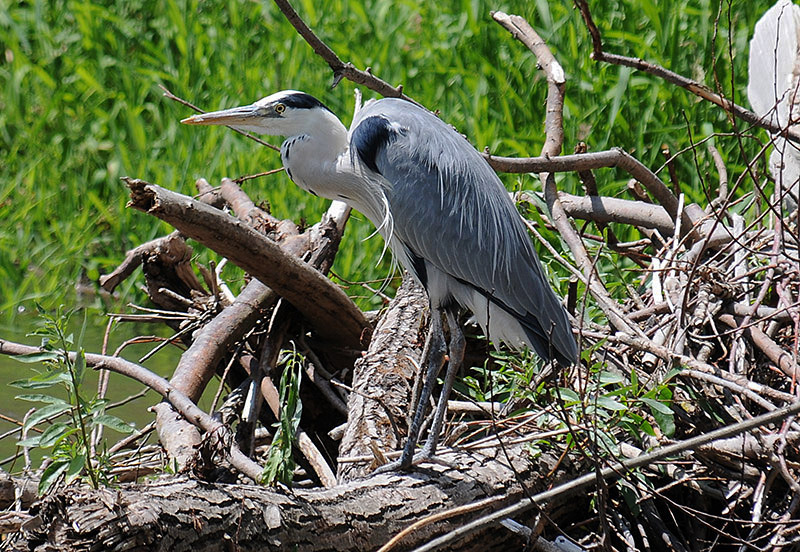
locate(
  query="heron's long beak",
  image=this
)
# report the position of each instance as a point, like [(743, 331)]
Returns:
[(231, 117)]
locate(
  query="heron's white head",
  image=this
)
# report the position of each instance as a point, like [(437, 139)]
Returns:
[(288, 113)]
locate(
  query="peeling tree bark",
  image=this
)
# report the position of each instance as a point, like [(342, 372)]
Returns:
[(183, 514), (382, 378)]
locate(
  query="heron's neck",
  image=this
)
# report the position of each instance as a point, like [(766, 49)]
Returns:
[(311, 156)]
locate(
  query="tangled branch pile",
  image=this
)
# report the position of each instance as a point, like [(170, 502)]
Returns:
[(708, 339)]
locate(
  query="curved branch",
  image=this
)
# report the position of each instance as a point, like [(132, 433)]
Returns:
[(615, 157), (340, 68), (326, 306), (178, 400), (692, 86), (553, 123), (522, 31)]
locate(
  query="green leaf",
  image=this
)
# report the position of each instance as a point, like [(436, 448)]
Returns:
[(648, 428), (97, 406), (79, 367), (671, 374), (112, 422), (51, 474), (55, 433), (610, 404), (43, 356), (567, 395), (606, 377), (665, 421), (39, 397), (51, 410), (657, 406), (74, 468), (31, 442), (42, 381)]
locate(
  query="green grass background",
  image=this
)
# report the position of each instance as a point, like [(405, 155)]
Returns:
[(80, 107)]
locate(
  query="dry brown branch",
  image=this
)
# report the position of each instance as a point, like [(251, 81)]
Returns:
[(696, 88), (178, 400), (327, 308), (214, 341), (521, 30), (776, 354), (553, 123), (610, 209), (615, 157), (167, 264), (199, 363), (340, 69)]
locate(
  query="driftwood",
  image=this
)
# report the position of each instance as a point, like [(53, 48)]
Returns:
[(333, 314), (383, 378), (213, 343)]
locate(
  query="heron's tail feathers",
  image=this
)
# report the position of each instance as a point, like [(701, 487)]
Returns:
[(501, 323)]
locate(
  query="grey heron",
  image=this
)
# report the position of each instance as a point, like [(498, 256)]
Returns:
[(441, 209)]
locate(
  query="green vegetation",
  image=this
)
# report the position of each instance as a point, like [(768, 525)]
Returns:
[(71, 421), (280, 461), (80, 106)]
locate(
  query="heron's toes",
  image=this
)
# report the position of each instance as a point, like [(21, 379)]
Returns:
[(422, 457)]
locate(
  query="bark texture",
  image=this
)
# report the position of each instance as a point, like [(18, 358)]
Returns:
[(382, 380), (180, 514)]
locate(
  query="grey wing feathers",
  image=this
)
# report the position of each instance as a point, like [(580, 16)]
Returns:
[(450, 209)]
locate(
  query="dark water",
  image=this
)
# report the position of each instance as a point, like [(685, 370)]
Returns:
[(120, 387)]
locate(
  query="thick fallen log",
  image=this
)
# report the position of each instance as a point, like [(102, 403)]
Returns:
[(176, 513)]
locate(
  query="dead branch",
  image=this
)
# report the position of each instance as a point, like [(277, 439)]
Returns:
[(199, 363), (611, 209), (214, 341), (340, 69), (324, 304), (615, 470), (387, 371), (183, 513), (178, 400), (615, 157), (555, 77), (692, 86)]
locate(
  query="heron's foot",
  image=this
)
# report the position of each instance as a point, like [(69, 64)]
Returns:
[(421, 457)]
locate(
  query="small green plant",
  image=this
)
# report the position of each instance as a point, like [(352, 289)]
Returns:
[(70, 420), (504, 376), (280, 463), (612, 402)]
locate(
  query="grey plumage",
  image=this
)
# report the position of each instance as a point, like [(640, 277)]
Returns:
[(451, 211)]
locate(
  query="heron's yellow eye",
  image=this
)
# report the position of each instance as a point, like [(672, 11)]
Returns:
[(280, 108)]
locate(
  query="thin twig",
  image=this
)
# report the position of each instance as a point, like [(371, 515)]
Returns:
[(181, 101)]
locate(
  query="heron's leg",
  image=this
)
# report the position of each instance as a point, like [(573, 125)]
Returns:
[(456, 346), (435, 346)]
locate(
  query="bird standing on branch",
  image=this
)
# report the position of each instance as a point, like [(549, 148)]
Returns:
[(442, 210)]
